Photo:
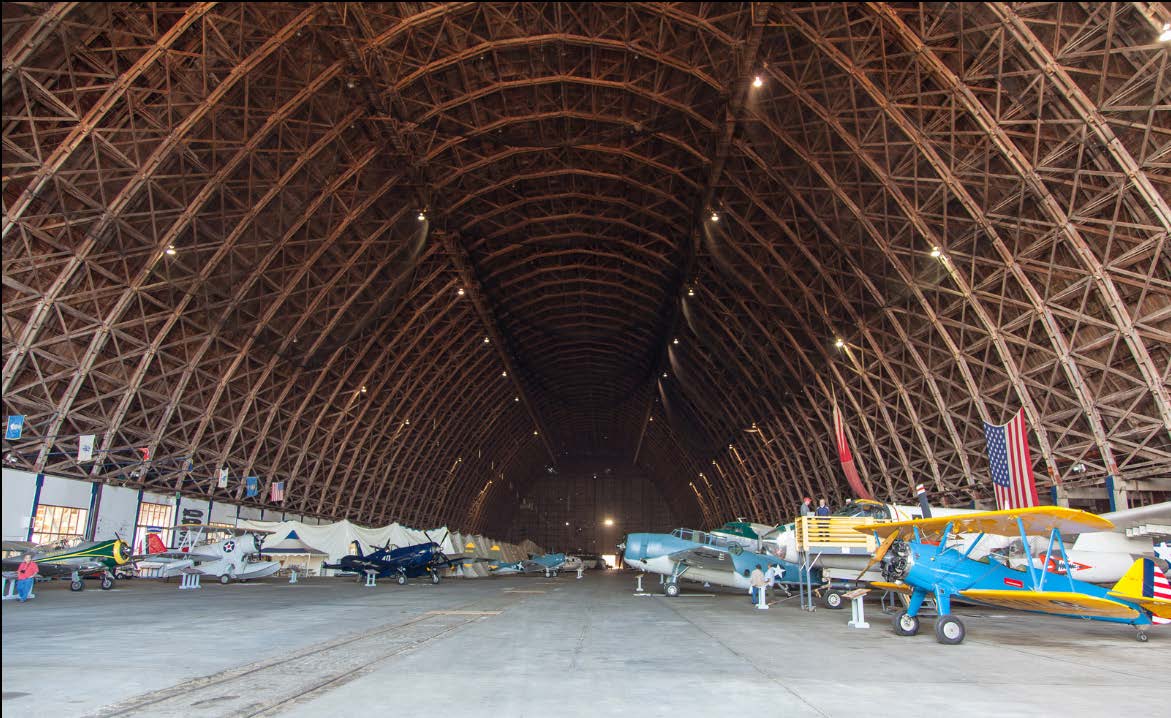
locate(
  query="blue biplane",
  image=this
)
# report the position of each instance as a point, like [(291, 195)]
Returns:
[(916, 560)]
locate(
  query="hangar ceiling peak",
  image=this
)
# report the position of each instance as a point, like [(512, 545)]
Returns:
[(405, 256)]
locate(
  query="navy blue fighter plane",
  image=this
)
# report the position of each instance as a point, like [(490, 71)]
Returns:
[(424, 559)]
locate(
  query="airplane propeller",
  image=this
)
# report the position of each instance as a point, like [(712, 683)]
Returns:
[(881, 552)]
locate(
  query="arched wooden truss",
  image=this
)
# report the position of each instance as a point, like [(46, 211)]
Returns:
[(972, 197)]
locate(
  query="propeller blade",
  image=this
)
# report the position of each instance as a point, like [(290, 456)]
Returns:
[(881, 552)]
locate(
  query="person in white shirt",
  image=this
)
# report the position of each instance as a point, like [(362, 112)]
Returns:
[(758, 581)]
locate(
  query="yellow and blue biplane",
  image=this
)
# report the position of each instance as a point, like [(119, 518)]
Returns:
[(916, 560)]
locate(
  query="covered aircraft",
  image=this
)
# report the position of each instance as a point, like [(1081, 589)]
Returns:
[(74, 559), (549, 564), (917, 559)]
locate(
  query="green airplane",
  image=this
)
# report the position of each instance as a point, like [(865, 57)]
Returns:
[(73, 558)]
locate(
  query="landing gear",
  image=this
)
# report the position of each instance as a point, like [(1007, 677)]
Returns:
[(1142, 637), (949, 630), (832, 599), (671, 589), (107, 582), (225, 579), (905, 625), (434, 578), (402, 580), (76, 585)]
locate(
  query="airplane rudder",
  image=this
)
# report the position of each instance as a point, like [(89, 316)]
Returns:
[(1139, 579)]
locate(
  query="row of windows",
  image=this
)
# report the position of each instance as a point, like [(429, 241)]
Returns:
[(53, 524)]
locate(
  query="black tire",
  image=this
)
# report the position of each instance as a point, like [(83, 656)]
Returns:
[(949, 630), (1142, 637), (905, 625), (402, 580), (76, 585), (225, 579), (671, 589), (834, 600), (107, 583)]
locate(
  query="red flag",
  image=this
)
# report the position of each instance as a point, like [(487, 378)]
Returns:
[(846, 458), (145, 451)]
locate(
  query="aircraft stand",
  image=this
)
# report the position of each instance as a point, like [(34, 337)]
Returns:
[(857, 596), (10, 586), (581, 573), (293, 576), (189, 580), (639, 579), (762, 598), (371, 577)]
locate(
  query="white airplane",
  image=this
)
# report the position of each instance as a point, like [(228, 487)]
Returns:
[(230, 558)]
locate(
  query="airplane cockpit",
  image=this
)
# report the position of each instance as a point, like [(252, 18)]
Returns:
[(864, 508)]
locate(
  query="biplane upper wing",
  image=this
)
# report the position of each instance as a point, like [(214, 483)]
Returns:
[(1063, 603), (1036, 520)]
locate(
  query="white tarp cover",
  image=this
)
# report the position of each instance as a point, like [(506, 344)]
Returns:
[(335, 539)]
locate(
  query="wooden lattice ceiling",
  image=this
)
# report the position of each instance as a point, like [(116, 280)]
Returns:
[(212, 246)]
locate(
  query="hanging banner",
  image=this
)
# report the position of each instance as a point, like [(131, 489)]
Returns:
[(85, 447), (251, 486), (278, 491), (15, 427), (222, 483)]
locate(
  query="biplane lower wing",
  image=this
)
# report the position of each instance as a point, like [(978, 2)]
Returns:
[(1062, 603), (896, 587)]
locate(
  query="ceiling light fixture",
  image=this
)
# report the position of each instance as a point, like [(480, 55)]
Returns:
[(534, 432), (715, 216), (503, 373), (1165, 36), (486, 340), (422, 216), (170, 250), (675, 341), (609, 522), (839, 343), (690, 292), (363, 388), (460, 291), (936, 252), (757, 81)]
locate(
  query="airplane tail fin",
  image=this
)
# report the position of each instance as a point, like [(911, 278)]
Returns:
[(154, 544), (1147, 586), (357, 549)]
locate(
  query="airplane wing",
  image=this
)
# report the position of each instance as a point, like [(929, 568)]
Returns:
[(173, 555), (1062, 603), (704, 557), (1036, 520), (896, 587), (18, 546)]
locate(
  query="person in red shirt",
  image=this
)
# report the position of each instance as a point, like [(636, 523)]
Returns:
[(25, 575)]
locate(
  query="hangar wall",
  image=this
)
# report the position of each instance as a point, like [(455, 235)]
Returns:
[(116, 507), (584, 496)]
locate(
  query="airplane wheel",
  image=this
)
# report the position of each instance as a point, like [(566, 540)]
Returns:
[(107, 583), (402, 580), (225, 579), (672, 590), (1142, 636), (906, 625), (832, 599), (949, 630), (434, 578), (76, 585)]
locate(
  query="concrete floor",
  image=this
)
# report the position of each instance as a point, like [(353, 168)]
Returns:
[(530, 646)]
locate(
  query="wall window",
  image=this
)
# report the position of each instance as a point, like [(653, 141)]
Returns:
[(153, 516), (56, 523)]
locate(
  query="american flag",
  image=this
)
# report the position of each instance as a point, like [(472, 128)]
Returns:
[(846, 457), (278, 491), (1011, 467), (1160, 588)]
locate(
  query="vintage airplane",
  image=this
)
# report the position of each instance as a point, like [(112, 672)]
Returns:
[(705, 557), (74, 559), (402, 563), (916, 559), (234, 557), (549, 564)]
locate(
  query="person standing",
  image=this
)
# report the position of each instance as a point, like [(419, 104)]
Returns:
[(822, 509), (807, 507), (25, 576), (758, 582)]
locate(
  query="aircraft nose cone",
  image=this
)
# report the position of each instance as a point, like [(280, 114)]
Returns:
[(635, 547)]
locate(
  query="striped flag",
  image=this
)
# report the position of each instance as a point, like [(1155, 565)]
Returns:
[(278, 491), (846, 457), (1009, 463), (1160, 588)]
